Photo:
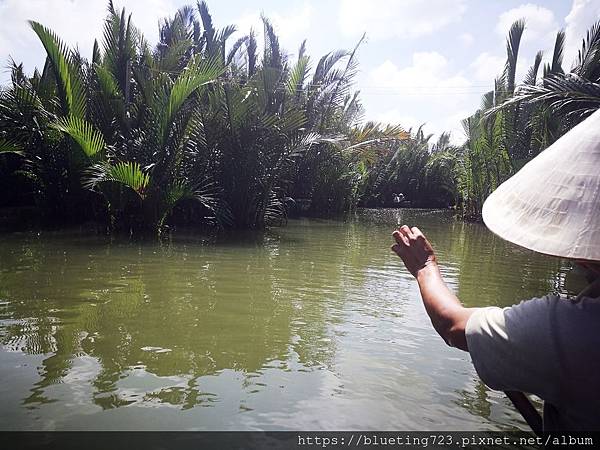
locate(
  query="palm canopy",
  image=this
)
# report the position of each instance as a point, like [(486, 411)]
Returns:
[(222, 131), (516, 122)]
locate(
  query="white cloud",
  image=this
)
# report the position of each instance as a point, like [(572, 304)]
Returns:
[(425, 92), (290, 26), (582, 16), (487, 67), (76, 22), (397, 117), (539, 22), (451, 123), (466, 39), (382, 19), (426, 75)]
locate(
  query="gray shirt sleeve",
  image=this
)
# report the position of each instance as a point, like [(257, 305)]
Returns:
[(513, 349)]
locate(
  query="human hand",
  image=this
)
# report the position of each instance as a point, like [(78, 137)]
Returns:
[(414, 249)]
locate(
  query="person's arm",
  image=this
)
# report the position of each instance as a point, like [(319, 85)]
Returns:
[(448, 316)]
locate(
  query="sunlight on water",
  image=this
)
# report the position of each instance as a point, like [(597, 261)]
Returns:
[(312, 326)]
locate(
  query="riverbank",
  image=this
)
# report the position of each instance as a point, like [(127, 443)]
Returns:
[(28, 218)]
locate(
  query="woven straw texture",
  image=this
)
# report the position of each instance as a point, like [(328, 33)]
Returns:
[(552, 205)]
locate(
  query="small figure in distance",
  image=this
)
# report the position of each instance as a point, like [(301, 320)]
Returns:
[(398, 198)]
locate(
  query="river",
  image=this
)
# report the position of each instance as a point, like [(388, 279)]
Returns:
[(313, 326)]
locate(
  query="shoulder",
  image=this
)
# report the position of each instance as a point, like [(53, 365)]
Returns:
[(508, 346), (496, 320), (534, 345)]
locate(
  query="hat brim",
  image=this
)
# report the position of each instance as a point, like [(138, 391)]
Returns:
[(552, 205)]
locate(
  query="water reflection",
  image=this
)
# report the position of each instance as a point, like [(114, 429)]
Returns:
[(310, 326)]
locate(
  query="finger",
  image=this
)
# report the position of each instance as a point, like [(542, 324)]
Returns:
[(400, 238), (407, 232), (397, 236), (421, 237), (417, 233), (399, 250)]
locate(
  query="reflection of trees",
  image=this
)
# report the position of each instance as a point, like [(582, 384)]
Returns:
[(176, 309), (184, 310), (492, 271), (476, 402)]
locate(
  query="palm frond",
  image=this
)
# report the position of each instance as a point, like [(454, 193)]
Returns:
[(235, 48), (326, 63), (198, 72), (531, 76), (87, 137), (251, 47), (70, 86), (513, 41), (567, 94), (273, 56), (557, 55), (297, 76), (588, 57), (125, 173), (10, 146)]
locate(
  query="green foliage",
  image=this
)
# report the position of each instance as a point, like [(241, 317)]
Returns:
[(515, 123), (7, 146), (128, 174), (89, 139), (66, 73), (197, 73), (408, 169), (138, 134)]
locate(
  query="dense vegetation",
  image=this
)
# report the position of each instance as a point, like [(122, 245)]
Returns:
[(194, 130), (201, 130), (414, 172), (516, 122)]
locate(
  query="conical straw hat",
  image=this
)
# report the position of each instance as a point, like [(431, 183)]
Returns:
[(552, 205)]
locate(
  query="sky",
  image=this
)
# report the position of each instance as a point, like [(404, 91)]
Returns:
[(423, 62)]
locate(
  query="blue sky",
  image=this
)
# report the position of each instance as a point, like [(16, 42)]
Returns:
[(424, 61)]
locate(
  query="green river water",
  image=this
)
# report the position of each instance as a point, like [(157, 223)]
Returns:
[(313, 326)]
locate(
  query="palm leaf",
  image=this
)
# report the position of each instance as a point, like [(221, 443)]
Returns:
[(325, 64), (297, 76), (107, 82), (10, 146), (206, 193), (273, 57), (124, 173), (557, 55), (198, 72), (567, 94), (120, 39), (531, 76), (588, 57), (69, 83), (235, 48), (513, 41), (209, 30), (251, 47), (87, 137)]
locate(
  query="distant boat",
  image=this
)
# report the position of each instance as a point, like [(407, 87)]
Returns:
[(399, 200)]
